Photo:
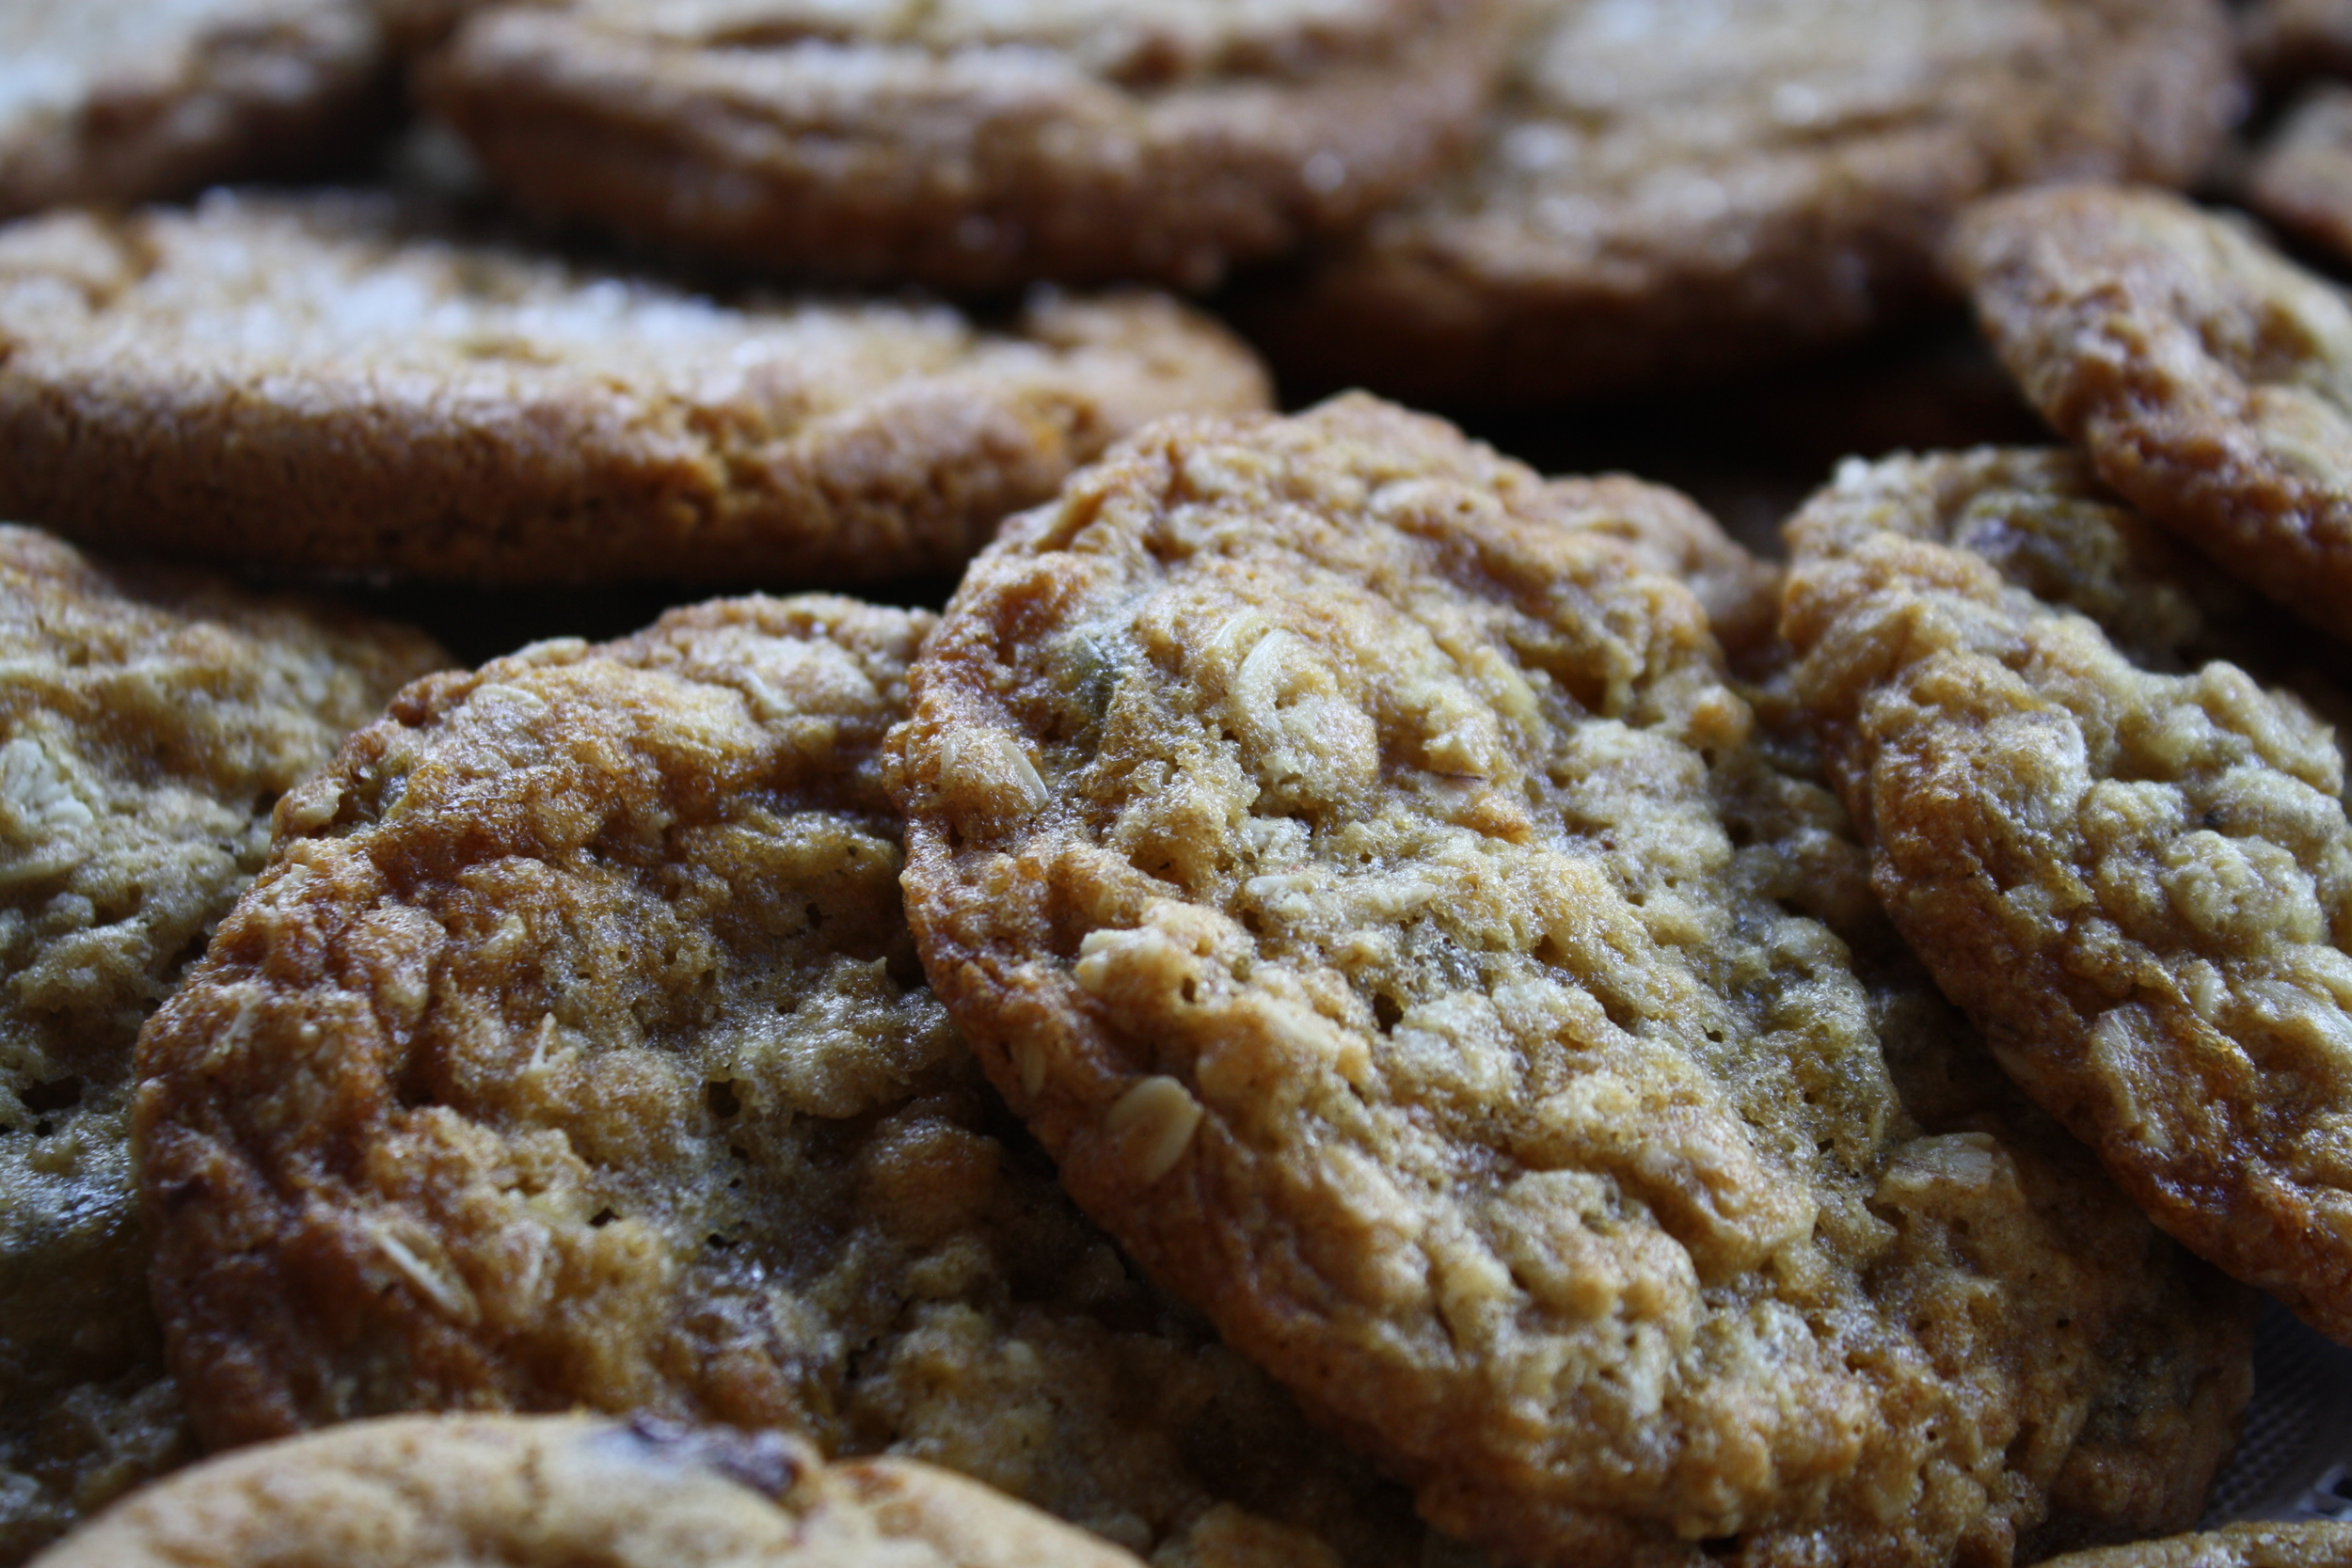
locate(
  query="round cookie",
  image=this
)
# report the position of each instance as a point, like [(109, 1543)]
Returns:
[(2306, 1543), (2209, 378), (149, 720), (1680, 189), (117, 101), (572, 1051), (972, 145), (331, 382), (2127, 859), (558, 1492), (1357, 866), (2301, 177)]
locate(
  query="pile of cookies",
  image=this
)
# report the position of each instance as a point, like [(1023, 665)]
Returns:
[(1282, 988)]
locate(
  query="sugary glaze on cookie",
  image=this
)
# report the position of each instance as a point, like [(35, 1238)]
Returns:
[(2128, 860), (572, 1051), (977, 143), (558, 1492), (1358, 868), (2209, 377), (331, 382), (2305, 1543), (149, 720), (1682, 187), (112, 100)]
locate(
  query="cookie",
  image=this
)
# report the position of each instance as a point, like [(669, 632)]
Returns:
[(149, 720), (1357, 866), (333, 383), (2286, 39), (572, 1051), (553, 1491), (116, 100), (2305, 1543), (971, 146), (1679, 189), (2209, 377), (2301, 177), (2126, 859)]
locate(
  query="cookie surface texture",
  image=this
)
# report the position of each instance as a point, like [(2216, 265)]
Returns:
[(327, 381), (2306, 1543), (973, 145), (573, 1052), (2126, 859), (149, 720), (2301, 177), (557, 1492), (1357, 866), (2209, 377), (116, 100), (1684, 188)]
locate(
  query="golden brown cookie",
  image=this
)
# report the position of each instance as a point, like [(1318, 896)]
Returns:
[(972, 145), (1688, 186), (1358, 868), (561, 1492), (2127, 859), (149, 720), (2301, 177), (2308, 1544), (114, 100), (2209, 377), (572, 1051), (329, 382)]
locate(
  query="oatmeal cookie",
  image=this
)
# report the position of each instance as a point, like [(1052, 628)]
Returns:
[(115, 101), (2127, 859), (572, 1051), (149, 720), (1688, 186), (1360, 872), (972, 145), (2209, 377), (558, 1492), (332, 382), (2307, 1544)]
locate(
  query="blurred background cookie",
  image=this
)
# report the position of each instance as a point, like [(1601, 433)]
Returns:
[(1680, 189), (118, 101), (149, 722), (331, 382), (970, 144)]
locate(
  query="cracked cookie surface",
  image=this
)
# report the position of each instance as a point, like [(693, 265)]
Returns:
[(572, 1051), (973, 145), (2127, 859), (335, 382), (149, 720), (1357, 866), (557, 1492)]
